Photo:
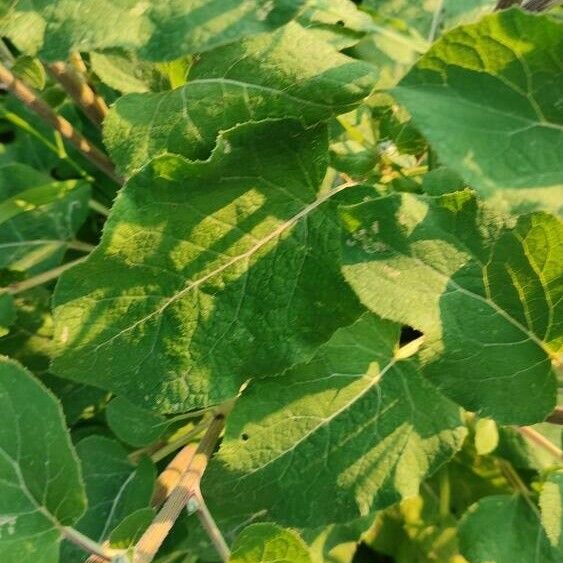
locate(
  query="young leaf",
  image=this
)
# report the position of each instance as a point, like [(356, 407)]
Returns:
[(353, 430), (485, 296), (211, 272), (157, 30), (269, 543), (485, 95), (288, 73), (551, 503), (134, 425), (41, 489), (115, 489), (37, 217), (504, 529)]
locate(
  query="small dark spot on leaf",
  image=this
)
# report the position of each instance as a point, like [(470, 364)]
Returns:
[(340, 23), (245, 437)]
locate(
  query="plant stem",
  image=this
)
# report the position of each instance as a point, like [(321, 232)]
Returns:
[(445, 492), (556, 417), (540, 5), (79, 245), (98, 207), (436, 21), (170, 477), (540, 441), (77, 62), (16, 120), (29, 98), (210, 526), (87, 544), (44, 277), (76, 86), (511, 475), (167, 449), (503, 4), (187, 487)]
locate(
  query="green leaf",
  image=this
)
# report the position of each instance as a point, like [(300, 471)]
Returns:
[(37, 217), (131, 528), (402, 31), (268, 543), (7, 312), (30, 342), (115, 490), (351, 431), (31, 71), (551, 503), (484, 294), (504, 529), (288, 73), (212, 272), (352, 158), (134, 425), (338, 22), (123, 71), (156, 30), (485, 95), (40, 483)]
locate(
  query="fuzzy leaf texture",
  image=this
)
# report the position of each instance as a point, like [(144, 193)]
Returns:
[(268, 543), (488, 98), (40, 483), (486, 295), (288, 73), (156, 30), (504, 529), (356, 427), (211, 273)]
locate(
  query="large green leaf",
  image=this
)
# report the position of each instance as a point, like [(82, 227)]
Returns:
[(486, 296), (38, 217), (213, 272), (40, 484), (504, 529), (157, 30), (488, 98), (402, 30), (115, 489), (288, 73), (268, 543), (352, 430)]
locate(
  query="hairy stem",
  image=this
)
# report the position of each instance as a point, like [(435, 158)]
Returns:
[(503, 4), (76, 86), (541, 441), (211, 528), (100, 552), (98, 207), (168, 480), (150, 542), (28, 97), (540, 5), (42, 278), (556, 417), (171, 447)]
